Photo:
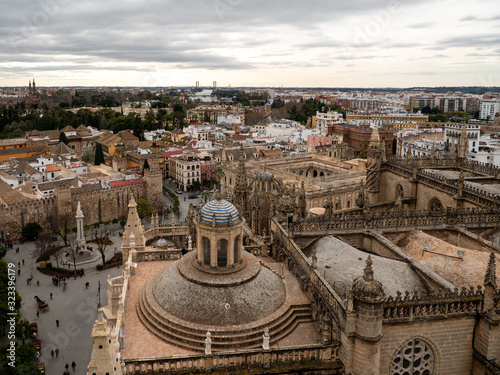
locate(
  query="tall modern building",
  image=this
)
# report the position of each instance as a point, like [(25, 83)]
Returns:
[(488, 108)]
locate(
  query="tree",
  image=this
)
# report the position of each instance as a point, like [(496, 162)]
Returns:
[(31, 230), (205, 194), (99, 155), (63, 138), (102, 241), (196, 185), (88, 157), (59, 223), (73, 249), (145, 166), (206, 182), (143, 208), (219, 174), (45, 247)]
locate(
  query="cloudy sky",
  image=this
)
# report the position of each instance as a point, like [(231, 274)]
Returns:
[(322, 43)]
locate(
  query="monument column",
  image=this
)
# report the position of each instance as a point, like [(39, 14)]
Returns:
[(80, 236)]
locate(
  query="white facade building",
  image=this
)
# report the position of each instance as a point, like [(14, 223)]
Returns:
[(325, 119), (488, 109), (453, 132)]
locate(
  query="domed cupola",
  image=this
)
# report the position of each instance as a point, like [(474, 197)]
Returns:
[(366, 288), (220, 212), (264, 176)]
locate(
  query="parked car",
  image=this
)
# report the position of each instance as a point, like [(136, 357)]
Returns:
[(192, 196), (178, 191), (198, 192)]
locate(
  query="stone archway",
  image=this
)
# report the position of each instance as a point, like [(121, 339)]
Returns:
[(206, 251), (222, 253)]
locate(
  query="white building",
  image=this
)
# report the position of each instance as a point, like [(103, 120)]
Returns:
[(325, 119), (229, 119), (488, 108), (453, 132), (489, 151)]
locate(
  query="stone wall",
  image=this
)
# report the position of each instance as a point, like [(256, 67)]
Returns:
[(12, 218), (98, 205), (450, 339), (388, 183)]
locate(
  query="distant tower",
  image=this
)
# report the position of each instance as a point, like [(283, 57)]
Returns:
[(241, 187), (374, 161), (34, 87), (215, 85), (463, 143), (197, 85)]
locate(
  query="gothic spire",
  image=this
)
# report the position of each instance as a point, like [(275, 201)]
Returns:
[(490, 279), (375, 138)]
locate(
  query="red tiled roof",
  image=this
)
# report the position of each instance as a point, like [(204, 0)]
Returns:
[(167, 154), (125, 182), (52, 168)]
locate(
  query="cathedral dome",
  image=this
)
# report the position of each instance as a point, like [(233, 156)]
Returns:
[(366, 288), (161, 243), (264, 176), (224, 213), (229, 299)]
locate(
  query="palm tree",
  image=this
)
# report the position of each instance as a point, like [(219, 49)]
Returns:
[(218, 174), (205, 194)]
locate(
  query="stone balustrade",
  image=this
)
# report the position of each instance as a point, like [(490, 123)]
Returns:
[(433, 306), (164, 230), (472, 217), (307, 274), (224, 361), (158, 255)]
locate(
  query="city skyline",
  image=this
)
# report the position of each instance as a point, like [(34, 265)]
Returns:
[(258, 43)]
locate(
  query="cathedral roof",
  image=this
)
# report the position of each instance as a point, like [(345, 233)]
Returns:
[(342, 264), (223, 210)]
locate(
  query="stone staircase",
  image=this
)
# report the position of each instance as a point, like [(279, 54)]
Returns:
[(190, 336)]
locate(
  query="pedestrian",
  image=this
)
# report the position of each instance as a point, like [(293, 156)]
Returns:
[(87, 285), (57, 323), (57, 353), (50, 295), (28, 281), (19, 264), (52, 353), (23, 262), (37, 283), (67, 367), (64, 287), (37, 313), (75, 275), (73, 364), (19, 272)]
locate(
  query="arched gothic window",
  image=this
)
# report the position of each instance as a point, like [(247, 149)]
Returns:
[(206, 251), (435, 205), (222, 253), (414, 358), (399, 191)]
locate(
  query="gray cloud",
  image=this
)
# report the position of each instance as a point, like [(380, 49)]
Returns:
[(422, 25), (141, 35)]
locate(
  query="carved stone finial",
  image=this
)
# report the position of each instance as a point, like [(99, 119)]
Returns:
[(490, 278), (366, 288), (368, 276)]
